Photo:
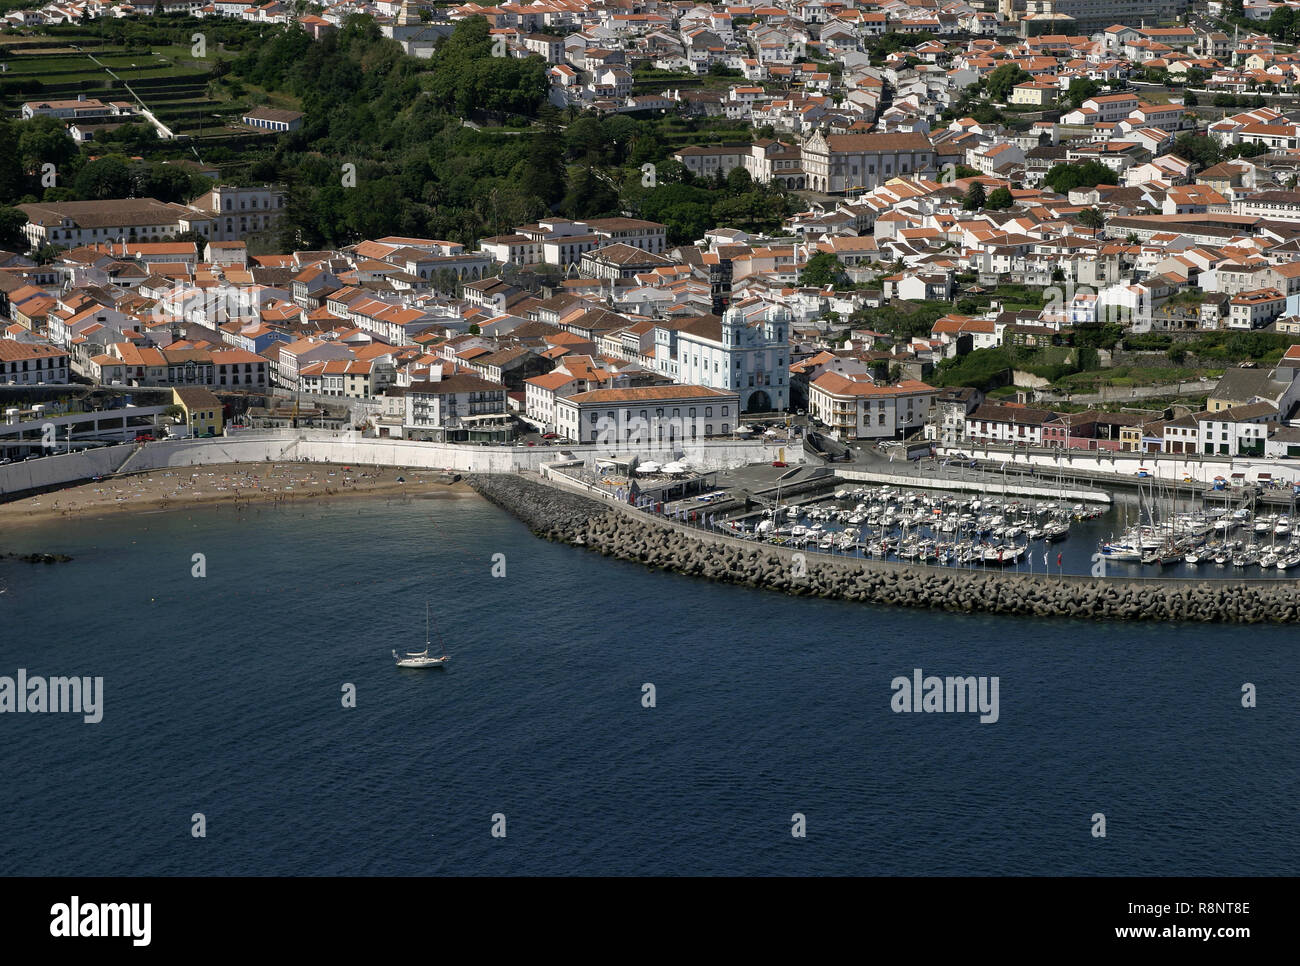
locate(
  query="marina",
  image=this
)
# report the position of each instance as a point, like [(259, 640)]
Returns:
[(1155, 535)]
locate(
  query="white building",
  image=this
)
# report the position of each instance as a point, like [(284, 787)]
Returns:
[(647, 415), (1254, 310), (837, 163), (859, 409), (991, 423), (69, 224), (459, 407), (31, 364), (747, 356), (236, 211), (1238, 431)]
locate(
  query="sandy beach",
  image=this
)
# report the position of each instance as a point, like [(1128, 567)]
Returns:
[(236, 483)]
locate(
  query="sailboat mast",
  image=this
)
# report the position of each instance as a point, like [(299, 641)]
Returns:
[(426, 625)]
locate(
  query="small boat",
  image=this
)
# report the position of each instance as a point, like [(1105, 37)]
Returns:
[(1056, 531), (421, 659), (1121, 551)]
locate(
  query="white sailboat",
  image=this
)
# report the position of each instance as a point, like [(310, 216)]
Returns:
[(421, 659)]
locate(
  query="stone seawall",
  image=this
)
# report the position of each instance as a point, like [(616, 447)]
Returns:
[(572, 518)]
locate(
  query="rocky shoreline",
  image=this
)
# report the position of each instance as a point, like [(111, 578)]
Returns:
[(572, 518)]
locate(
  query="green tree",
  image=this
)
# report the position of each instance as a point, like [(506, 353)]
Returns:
[(587, 196), (686, 211), (104, 178), (1198, 148), (543, 174), (1282, 25), (739, 181), (1002, 79), (1081, 88), (759, 210), (1000, 199), (44, 140), (11, 230), (585, 139), (11, 166), (975, 197), (821, 270), (1064, 178), (167, 182), (1092, 218)]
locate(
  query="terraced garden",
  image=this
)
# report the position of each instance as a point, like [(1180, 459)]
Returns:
[(176, 86)]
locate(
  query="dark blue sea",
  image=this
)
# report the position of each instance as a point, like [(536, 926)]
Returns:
[(223, 697)]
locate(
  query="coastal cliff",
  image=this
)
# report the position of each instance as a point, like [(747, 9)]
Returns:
[(572, 518)]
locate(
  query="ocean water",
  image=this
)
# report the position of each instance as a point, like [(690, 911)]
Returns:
[(222, 696)]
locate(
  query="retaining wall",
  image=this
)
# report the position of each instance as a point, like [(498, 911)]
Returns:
[(327, 447)]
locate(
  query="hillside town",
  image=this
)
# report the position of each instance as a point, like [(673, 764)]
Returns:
[(944, 277), (921, 378)]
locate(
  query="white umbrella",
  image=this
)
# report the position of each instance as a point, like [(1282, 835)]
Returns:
[(674, 468), (648, 468)]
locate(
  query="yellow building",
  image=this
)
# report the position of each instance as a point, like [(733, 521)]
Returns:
[(203, 411), (1034, 94)]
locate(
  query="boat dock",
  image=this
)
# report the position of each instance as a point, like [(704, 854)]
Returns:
[(980, 483)]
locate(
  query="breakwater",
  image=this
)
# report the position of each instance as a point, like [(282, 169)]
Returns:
[(569, 517)]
